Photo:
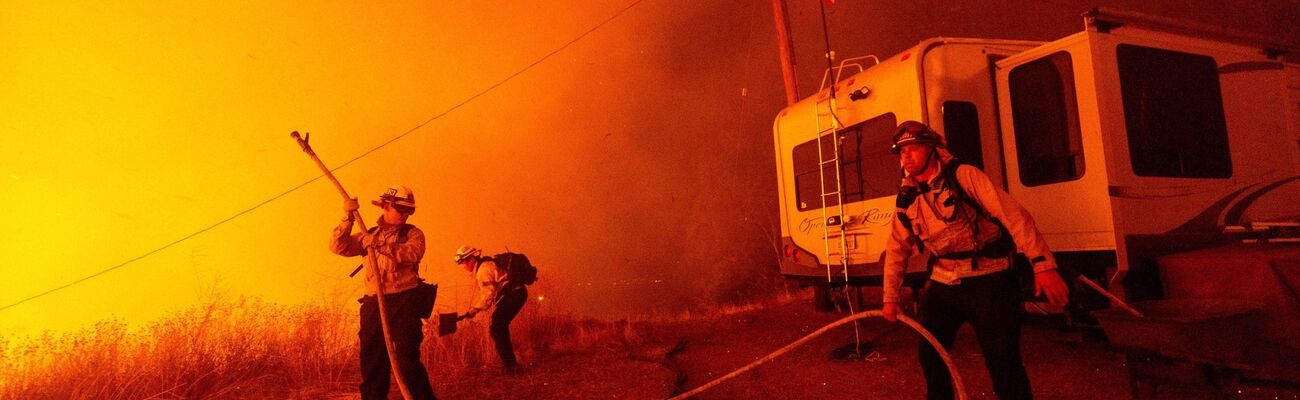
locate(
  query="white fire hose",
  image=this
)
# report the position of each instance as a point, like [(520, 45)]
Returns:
[(958, 387)]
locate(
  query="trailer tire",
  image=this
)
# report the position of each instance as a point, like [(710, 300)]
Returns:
[(822, 298)]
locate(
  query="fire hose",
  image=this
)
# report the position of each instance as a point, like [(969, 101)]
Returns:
[(370, 265), (958, 387)]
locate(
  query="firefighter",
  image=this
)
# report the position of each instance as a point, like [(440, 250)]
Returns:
[(495, 290), (398, 248), (970, 234)]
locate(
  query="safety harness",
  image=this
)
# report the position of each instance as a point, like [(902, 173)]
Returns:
[(1003, 246)]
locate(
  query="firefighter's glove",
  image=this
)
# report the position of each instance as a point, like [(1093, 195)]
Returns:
[(890, 311), (1049, 283), (906, 196), (350, 206)]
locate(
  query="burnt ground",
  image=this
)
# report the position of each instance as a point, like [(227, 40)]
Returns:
[(681, 355), (1061, 363)]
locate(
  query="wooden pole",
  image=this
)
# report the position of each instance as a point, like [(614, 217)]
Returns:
[(786, 46)]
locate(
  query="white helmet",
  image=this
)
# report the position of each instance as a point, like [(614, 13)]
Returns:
[(397, 195), (465, 252)]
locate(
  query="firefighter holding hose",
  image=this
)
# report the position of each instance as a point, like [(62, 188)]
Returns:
[(970, 230), (398, 248)]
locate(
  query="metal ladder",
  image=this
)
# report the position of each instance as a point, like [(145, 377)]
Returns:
[(828, 127), (829, 131)]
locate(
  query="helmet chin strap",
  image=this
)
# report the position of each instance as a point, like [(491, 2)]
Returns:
[(928, 158)]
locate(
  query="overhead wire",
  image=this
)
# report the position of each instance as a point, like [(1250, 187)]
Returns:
[(164, 247), (454, 107)]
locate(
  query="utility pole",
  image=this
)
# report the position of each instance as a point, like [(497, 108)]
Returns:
[(786, 46)]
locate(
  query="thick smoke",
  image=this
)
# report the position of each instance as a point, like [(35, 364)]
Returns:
[(637, 167)]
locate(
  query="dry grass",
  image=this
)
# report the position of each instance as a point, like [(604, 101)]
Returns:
[(247, 348), (251, 349), (237, 349), (535, 336)]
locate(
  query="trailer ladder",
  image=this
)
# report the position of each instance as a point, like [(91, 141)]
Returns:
[(828, 129), (831, 186), (830, 132)]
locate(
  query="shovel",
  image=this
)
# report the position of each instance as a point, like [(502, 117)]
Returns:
[(447, 323)]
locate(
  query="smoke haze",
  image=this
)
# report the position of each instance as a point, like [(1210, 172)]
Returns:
[(634, 166)]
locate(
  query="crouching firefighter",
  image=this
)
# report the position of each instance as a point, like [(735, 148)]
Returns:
[(970, 230), (498, 288), (398, 248)]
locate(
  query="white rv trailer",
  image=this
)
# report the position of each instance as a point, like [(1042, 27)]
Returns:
[(1135, 138)]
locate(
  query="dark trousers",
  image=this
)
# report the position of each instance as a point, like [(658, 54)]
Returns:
[(506, 310), (406, 329), (991, 304)]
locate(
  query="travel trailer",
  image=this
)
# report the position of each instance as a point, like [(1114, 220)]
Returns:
[(1135, 138)]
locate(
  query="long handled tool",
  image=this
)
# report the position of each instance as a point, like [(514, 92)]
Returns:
[(371, 267), (1122, 305), (1115, 300)]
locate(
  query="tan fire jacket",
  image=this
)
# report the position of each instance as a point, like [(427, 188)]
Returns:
[(927, 216), (398, 262), (491, 279)]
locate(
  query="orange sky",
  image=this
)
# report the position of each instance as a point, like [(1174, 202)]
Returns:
[(641, 152), (129, 126)]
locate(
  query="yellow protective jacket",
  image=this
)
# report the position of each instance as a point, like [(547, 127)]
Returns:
[(397, 258), (491, 280), (927, 216)]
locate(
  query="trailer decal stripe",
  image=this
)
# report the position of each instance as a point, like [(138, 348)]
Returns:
[(1228, 211), (1247, 66), (1208, 219), (1234, 214)]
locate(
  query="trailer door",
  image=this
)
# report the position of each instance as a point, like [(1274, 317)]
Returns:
[(1055, 166)]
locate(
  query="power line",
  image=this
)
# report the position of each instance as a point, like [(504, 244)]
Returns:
[(495, 85), (358, 157), (164, 247)]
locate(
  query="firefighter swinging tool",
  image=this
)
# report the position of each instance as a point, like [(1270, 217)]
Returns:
[(369, 265)]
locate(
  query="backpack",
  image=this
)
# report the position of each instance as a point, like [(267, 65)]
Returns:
[(518, 268), (1003, 245)]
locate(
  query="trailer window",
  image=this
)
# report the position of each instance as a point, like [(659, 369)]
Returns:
[(961, 129), (806, 161), (869, 170), (1045, 116), (1173, 110), (880, 170)]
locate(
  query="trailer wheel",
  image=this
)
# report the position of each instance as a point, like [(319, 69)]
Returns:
[(822, 298)]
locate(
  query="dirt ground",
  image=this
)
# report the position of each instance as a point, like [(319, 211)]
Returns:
[(1061, 365), (679, 356)]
